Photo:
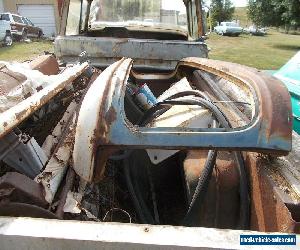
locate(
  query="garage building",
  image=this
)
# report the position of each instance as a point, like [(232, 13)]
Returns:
[(43, 13)]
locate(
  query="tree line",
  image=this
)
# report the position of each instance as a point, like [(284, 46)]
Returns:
[(275, 13)]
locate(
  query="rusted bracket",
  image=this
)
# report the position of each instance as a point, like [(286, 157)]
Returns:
[(102, 126)]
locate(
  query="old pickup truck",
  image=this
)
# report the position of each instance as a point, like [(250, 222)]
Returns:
[(129, 137)]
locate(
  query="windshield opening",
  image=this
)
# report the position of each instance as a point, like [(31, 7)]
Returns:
[(153, 14), (232, 24)]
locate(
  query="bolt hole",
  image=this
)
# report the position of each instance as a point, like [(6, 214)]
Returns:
[(20, 159)]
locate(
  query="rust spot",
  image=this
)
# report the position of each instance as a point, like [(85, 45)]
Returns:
[(110, 116)]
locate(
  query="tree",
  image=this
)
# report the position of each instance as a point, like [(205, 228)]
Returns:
[(221, 10), (275, 13)]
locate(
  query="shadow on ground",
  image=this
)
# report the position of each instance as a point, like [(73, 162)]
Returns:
[(287, 47)]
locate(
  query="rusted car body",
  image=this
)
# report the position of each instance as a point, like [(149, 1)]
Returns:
[(21, 27), (78, 151)]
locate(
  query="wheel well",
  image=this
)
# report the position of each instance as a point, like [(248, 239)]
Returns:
[(8, 32)]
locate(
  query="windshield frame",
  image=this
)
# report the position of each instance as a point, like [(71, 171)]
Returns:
[(151, 20), (195, 24)]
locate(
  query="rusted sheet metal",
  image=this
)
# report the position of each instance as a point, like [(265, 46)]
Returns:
[(108, 128), (273, 209), (271, 98), (46, 64), (150, 53), (18, 113), (53, 139), (221, 207), (22, 189), (17, 209), (93, 110), (60, 145), (70, 177), (9, 80), (56, 168)]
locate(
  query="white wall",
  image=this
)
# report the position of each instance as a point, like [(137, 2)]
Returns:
[(1, 6)]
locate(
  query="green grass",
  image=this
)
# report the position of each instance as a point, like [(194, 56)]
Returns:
[(268, 52), (262, 52), (21, 51)]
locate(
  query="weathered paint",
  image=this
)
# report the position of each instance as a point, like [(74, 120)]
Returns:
[(9, 119), (290, 75), (150, 53), (87, 132), (269, 131), (55, 234)]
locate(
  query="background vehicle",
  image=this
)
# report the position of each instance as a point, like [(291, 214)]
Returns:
[(32, 31), (21, 27), (228, 28), (253, 30), (5, 32)]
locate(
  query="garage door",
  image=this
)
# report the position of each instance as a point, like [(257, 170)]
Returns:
[(1, 6), (41, 15)]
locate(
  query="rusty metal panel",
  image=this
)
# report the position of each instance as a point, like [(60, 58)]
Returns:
[(18, 113), (9, 79), (103, 51), (270, 129), (86, 132), (21, 189), (270, 210), (221, 207), (46, 64)]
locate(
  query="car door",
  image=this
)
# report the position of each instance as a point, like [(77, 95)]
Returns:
[(34, 31), (26, 26)]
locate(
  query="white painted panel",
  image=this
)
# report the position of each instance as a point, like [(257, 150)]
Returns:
[(41, 15), (1, 6)]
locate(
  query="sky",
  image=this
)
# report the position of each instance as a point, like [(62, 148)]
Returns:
[(178, 4), (239, 3), (236, 3)]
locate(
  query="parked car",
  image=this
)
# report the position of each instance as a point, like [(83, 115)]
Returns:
[(5, 33), (21, 27), (228, 28), (253, 30)]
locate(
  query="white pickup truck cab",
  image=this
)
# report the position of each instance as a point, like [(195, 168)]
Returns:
[(5, 33)]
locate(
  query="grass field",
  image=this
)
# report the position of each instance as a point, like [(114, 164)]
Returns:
[(262, 52), (25, 51), (269, 52)]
